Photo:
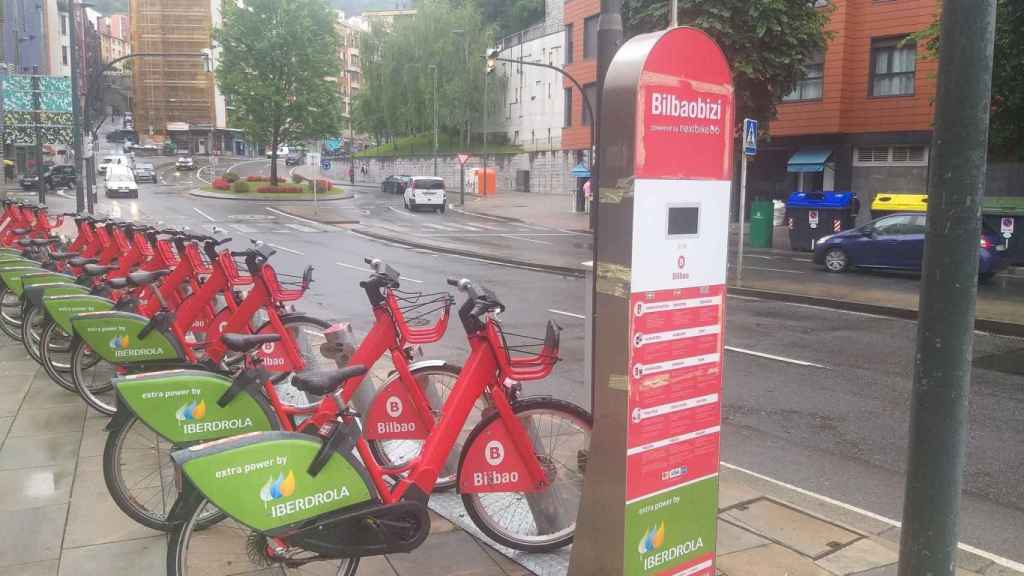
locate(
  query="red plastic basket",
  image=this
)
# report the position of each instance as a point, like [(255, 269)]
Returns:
[(409, 308), (522, 357)]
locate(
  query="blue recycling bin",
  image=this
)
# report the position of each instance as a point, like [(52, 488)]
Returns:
[(813, 215)]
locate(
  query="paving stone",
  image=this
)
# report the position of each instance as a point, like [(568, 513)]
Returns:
[(94, 437), (12, 393), (892, 570), (732, 492), (45, 568), (34, 487), (768, 560), (733, 539), (439, 524), (375, 566), (508, 566), (142, 556), (31, 535), (48, 421), (801, 532), (94, 517), (997, 570), (446, 555), (973, 562), (860, 556), (43, 392), (5, 425), (25, 366), (36, 451)]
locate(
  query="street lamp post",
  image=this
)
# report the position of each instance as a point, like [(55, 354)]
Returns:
[(434, 69), (76, 106), (465, 60)]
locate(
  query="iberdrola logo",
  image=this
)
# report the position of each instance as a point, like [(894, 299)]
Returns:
[(119, 342), (191, 411), (652, 540), (282, 487)]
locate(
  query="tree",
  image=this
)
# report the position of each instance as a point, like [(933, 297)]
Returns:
[(397, 93), (1006, 119), (278, 69), (511, 16), (766, 42)]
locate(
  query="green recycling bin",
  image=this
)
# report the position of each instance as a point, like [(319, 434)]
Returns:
[(761, 225)]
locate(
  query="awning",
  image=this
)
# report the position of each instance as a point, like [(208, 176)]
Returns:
[(809, 160), (580, 171)]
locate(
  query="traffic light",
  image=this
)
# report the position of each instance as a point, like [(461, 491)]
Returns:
[(492, 60)]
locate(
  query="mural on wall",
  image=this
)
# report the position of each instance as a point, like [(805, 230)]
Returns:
[(55, 119)]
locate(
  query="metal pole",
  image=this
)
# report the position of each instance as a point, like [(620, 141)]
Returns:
[(76, 108), (609, 38), (484, 192), (743, 215), (462, 184), (673, 19), (36, 119), (435, 118), (945, 332)]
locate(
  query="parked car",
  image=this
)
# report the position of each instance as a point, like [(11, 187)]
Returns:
[(145, 172), (294, 158), (58, 176), (185, 163), (120, 183), (395, 184), (119, 159), (426, 191), (896, 242), (282, 152), (122, 136)]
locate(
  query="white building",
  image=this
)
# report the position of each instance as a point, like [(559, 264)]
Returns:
[(533, 106)]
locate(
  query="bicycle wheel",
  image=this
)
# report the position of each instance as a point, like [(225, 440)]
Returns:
[(32, 324), (55, 355), (436, 382), (10, 314), (232, 548), (545, 520), (308, 334), (140, 476), (91, 375)]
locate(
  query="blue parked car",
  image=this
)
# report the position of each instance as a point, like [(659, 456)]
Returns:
[(896, 242)]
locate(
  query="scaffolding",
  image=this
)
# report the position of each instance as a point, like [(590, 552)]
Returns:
[(171, 90)]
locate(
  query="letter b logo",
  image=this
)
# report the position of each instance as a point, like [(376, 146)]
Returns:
[(394, 407), (494, 453)]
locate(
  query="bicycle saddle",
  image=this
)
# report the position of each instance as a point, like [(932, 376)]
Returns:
[(246, 342), (320, 382), (146, 278), (79, 261), (97, 269)]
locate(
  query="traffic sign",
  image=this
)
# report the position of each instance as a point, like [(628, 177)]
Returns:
[(749, 136), (812, 218), (463, 158), (1006, 226), (325, 164)]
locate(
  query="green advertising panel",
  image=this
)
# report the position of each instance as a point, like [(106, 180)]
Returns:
[(42, 278), (114, 336), (37, 292), (671, 529), (10, 275), (63, 308), (261, 479), (181, 405)]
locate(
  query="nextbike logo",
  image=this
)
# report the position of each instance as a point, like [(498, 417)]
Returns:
[(699, 109), (191, 411), (119, 342), (652, 540), (282, 487)]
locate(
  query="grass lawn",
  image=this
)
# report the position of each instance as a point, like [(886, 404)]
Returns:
[(424, 144), (306, 194)]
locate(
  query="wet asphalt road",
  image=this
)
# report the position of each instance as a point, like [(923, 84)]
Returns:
[(826, 411)]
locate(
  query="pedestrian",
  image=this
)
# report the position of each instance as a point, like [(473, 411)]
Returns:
[(352, 174)]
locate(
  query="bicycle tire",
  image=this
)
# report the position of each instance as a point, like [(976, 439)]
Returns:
[(278, 378), (60, 374), (8, 323), (90, 394), (129, 503), (30, 338), (471, 501)]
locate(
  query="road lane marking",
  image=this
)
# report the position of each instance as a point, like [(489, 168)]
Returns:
[(773, 357), (508, 234), (802, 259), (489, 227), (279, 247), (469, 227), (758, 256), (1005, 562), (399, 212), (243, 228), (438, 226), (770, 269), (569, 314), (204, 214), (365, 269), (300, 227), (237, 164), (477, 215), (525, 239), (299, 218)]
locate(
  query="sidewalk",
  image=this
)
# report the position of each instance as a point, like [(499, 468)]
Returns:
[(56, 517)]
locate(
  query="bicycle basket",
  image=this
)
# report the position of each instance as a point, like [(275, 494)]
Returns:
[(286, 287), (418, 308), (522, 357)]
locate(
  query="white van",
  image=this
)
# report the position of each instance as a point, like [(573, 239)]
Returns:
[(120, 182), (112, 160)]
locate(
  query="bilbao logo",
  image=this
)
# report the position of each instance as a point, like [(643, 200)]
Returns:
[(394, 406), (119, 342), (494, 453), (281, 487), (191, 411), (652, 540)]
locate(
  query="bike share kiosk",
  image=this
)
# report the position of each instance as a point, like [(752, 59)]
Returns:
[(650, 496)]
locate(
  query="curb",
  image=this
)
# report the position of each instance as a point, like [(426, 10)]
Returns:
[(549, 268), (319, 219), (508, 218), (214, 196)]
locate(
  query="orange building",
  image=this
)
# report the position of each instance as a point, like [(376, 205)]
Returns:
[(861, 118), (580, 18)]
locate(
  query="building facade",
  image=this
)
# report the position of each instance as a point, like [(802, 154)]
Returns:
[(532, 114), (861, 118), (174, 97), (115, 41), (350, 31), (580, 18)]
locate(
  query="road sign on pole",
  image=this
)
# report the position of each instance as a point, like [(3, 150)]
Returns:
[(463, 158), (749, 136), (325, 164), (749, 149)]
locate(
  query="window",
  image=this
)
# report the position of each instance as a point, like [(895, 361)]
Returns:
[(900, 225), (892, 67), (567, 111), (891, 156), (64, 55), (63, 25), (590, 37), (810, 87), (353, 60), (568, 44), (590, 90)]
